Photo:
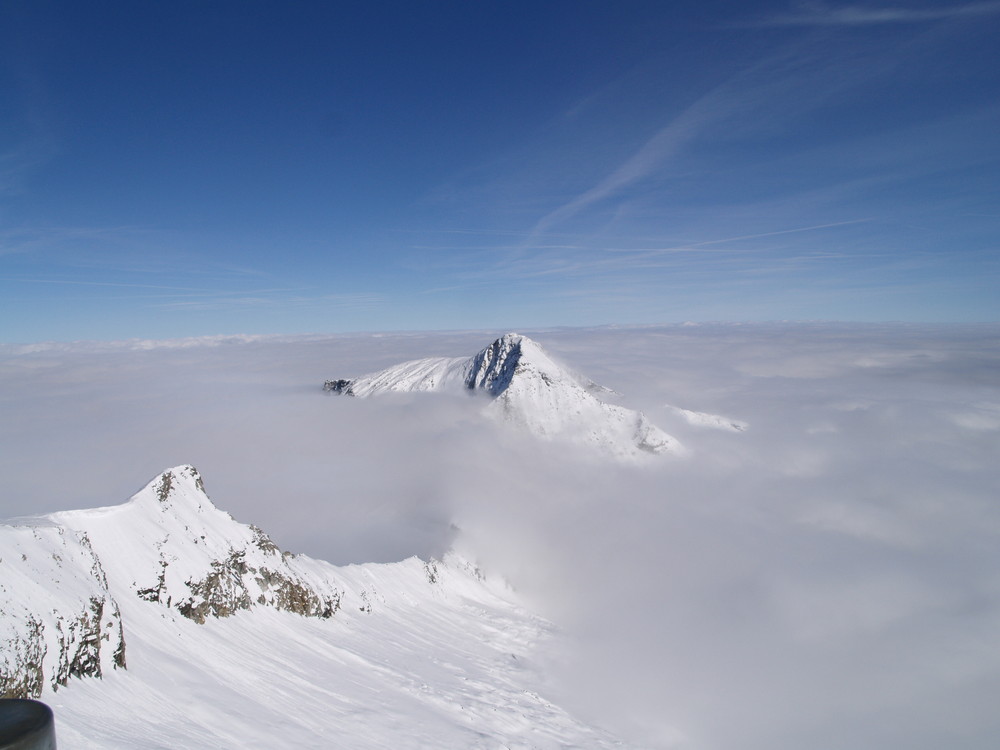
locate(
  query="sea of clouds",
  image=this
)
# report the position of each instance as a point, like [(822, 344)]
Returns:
[(827, 578)]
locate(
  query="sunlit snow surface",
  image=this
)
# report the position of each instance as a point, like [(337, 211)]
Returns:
[(529, 390), (825, 579), (713, 421), (417, 654)]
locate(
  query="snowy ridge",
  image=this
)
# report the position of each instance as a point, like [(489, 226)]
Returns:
[(58, 619), (169, 544), (529, 389), (713, 421), (232, 642), (418, 375)]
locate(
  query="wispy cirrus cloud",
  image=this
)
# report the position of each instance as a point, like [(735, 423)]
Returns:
[(275, 298), (796, 230), (772, 95), (129, 249), (823, 14), (200, 298), (606, 267), (33, 239), (77, 282), (30, 139), (763, 97), (711, 108)]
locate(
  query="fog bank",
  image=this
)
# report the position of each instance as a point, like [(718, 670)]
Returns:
[(827, 578)]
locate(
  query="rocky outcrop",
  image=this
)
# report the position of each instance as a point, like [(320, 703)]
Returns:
[(428, 648), (22, 673), (81, 639), (234, 585), (58, 619), (338, 386), (169, 545), (173, 547), (72, 582)]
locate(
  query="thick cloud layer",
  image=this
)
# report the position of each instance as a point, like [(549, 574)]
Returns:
[(827, 578)]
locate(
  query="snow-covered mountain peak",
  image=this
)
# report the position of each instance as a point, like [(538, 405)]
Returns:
[(527, 388), (493, 368), (169, 544), (313, 651), (180, 481), (176, 495), (176, 490)]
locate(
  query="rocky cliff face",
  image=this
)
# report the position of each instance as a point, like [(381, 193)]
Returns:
[(527, 388), (493, 369), (437, 653), (170, 545), (58, 618), (62, 577)]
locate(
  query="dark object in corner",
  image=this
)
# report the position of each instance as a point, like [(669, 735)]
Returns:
[(26, 725), (339, 386)]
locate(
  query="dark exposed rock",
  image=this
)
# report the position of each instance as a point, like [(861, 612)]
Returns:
[(293, 596), (21, 673), (119, 654), (193, 559), (80, 645), (366, 605), (431, 570), (227, 590), (164, 486), (339, 386), (263, 541), (66, 624), (156, 593), (221, 593), (80, 638), (495, 366)]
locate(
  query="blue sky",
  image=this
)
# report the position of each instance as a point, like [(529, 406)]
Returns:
[(199, 168)]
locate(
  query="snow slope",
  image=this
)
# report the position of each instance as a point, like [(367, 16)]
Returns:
[(712, 421), (527, 388), (58, 619), (233, 643)]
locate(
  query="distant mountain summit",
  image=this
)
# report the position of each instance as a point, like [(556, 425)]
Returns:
[(495, 367), (527, 388)]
